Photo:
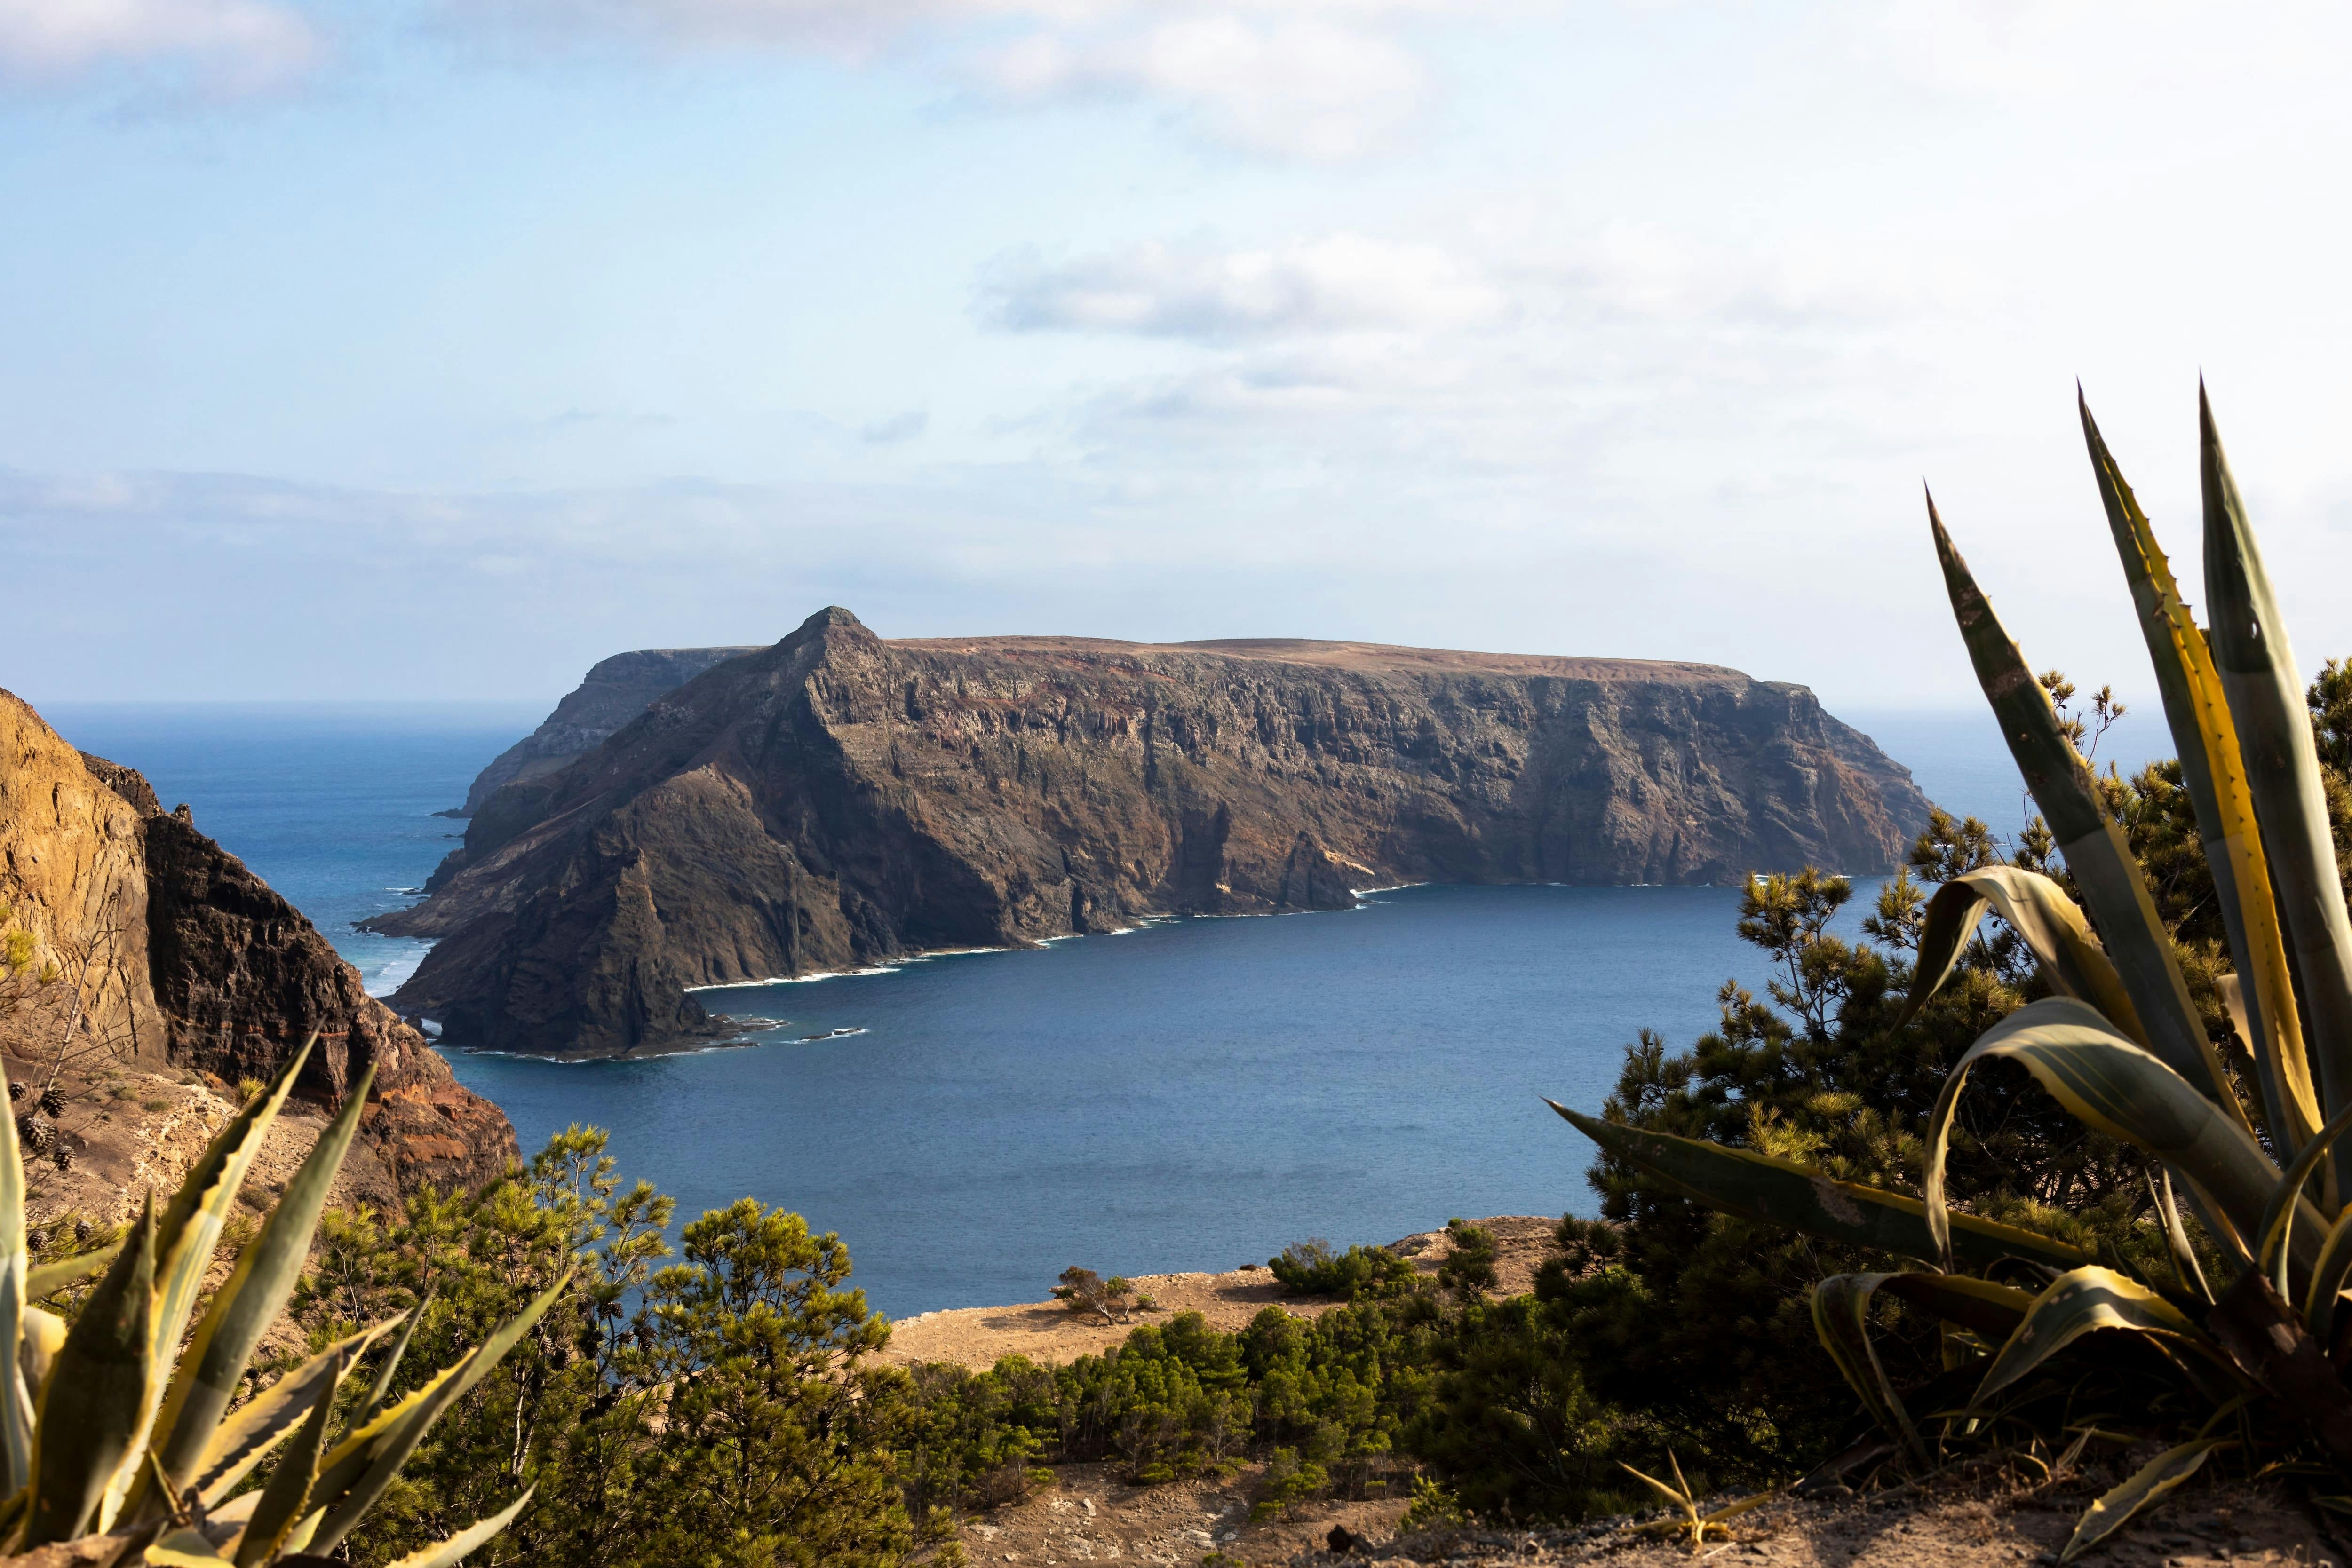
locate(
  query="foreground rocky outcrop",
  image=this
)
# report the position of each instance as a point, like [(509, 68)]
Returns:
[(612, 692), (168, 953), (836, 799)]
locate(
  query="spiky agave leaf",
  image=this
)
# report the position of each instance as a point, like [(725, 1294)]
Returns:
[(1842, 1322), (2266, 699), (456, 1549), (2197, 709), (281, 1506), (356, 1473), (244, 1307), (262, 1422), (2052, 929), (15, 1265), (2122, 1504), (2102, 863), (2085, 1301), (2278, 1215), (2327, 1276), (48, 1279), (95, 1401), (2118, 1089), (1781, 1192)]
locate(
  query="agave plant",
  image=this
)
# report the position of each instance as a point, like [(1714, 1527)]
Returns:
[(2255, 1154), (122, 1425)]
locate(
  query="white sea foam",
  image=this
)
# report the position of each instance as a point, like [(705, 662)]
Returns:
[(392, 974), (800, 979)]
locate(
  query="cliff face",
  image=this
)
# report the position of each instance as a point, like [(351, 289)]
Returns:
[(836, 799), (611, 694), (171, 953)]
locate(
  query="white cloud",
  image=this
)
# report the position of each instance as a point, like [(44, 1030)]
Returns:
[(1340, 283), (226, 46), (1300, 85), (1317, 80)]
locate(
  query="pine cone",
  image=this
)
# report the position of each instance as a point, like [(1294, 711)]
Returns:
[(81, 1231), (64, 1158), (32, 1134), (16, 1092), (52, 1103)]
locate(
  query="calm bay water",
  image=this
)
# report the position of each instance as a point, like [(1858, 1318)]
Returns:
[(1190, 1096)]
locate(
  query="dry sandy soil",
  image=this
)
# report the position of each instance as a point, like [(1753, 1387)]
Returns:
[(1048, 1333)]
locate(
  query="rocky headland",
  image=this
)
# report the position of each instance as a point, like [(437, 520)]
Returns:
[(612, 692), (837, 800), (174, 963)]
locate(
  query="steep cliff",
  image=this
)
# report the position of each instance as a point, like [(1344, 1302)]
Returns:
[(836, 799), (169, 952), (613, 692)]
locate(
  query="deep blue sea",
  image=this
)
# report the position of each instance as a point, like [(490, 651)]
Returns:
[(1193, 1095)]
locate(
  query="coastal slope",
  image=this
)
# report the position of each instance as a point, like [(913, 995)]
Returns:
[(169, 952), (836, 799)]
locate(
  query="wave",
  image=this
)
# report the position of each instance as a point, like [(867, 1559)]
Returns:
[(382, 979), (800, 979)]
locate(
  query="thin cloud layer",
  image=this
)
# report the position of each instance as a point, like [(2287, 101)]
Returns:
[(222, 47), (1341, 283)]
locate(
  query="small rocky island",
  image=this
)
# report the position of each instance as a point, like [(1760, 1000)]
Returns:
[(837, 800)]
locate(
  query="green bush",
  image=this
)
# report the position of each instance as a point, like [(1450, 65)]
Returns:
[(1311, 1268)]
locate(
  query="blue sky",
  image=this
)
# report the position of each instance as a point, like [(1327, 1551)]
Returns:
[(437, 348)]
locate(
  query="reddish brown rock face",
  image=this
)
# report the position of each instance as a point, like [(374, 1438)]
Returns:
[(836, 799), (202, 966)]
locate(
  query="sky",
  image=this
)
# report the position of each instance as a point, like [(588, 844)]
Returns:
[(435, 348)]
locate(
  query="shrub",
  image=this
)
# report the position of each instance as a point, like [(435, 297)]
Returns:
[(1311, 1268)]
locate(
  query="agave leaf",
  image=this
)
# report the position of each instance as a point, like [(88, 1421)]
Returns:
[(2081, 1302), (16, 1264), (381, 1390), (2278, 1215), (249, 1302), (106, 1369), (1981, 1306), (380, 1456), (48, 1279), (280, 1508), (455, 1549), (1678, 1496), (1841, 1321), (2266, 698), (2095, 852), (1779, 1192), (257, 1426), (44, 1336), (2122, 1090), (2038, 910), (2185, 1266), (2147, 1485), (186, 1238), (2327, 1279), (2197, 708), (182, 1549)]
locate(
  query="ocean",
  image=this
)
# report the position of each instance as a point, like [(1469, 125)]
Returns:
[(1193, 1095)]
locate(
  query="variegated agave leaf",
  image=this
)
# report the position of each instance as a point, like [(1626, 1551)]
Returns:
[(1780, 1192)]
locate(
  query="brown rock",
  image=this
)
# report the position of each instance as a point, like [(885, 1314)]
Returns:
[(179, 956), (836, 800)]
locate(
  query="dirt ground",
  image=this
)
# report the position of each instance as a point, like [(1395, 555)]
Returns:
[(1048, 1333), (1963, 1520)]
